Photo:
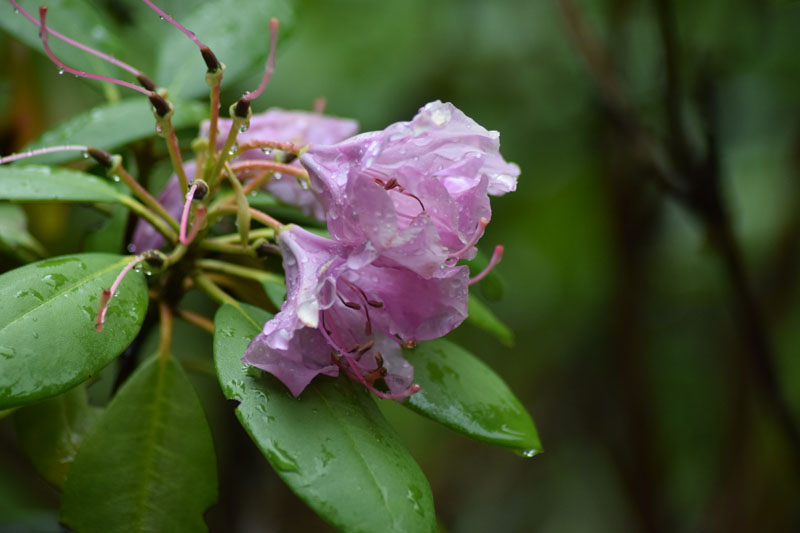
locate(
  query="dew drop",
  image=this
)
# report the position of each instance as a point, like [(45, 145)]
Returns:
[(159, 129), (529, 453), (16, 11), (115, 178), (161, 17), (60, 71), (244, 127), (86, 155), (266, 151), (233, 149)]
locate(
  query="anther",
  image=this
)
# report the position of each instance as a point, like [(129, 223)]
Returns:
[(375, 303), (242, 108), (364, 349), (409, 344), (349, 305)]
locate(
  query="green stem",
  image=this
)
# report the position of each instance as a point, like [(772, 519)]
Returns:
[(226, 248), (265, 233), (168, 132), (238, 270), (213, 290), (225, 154), (151, 217), (145, 197)]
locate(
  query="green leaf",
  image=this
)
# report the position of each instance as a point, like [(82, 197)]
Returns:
[(39, 183), (149, 462), (331, 445), (14, 236), (461, 392), (74, 18), (235, 30), (111, 126), (51, 432), (483, 317), (48, 342), (111, 237)]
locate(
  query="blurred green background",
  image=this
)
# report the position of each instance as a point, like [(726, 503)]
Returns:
[(630, 350)]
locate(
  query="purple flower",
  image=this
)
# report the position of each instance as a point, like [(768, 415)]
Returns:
[(298, 127), (415, 193), (356, 318)]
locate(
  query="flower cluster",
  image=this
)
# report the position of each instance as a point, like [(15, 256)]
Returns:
[(402, 206)]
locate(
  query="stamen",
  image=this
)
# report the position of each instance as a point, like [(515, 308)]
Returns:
[(40, 151), (356, 375), (350, 305), (269, 165), (453, 259), (44, 31), (497, 255), (105, 298), (208, 56), (106, 57)]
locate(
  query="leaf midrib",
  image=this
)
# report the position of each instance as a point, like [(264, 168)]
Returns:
[(82, 281)]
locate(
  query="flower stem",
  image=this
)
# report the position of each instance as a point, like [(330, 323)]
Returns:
[(238, 270), (265, 233), (145, 196), (225, 154), (174, 153), (225, 248), (213, 290), (151, 217), (196, 319), (165, 345)]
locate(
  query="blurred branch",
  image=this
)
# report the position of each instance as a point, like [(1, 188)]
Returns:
[(696, 186)]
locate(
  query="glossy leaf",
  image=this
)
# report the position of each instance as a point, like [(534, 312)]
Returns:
[(40, 183), (48, 342), (51, 432), (228, 27), (77, 19), (14, 237), (331, 445), (461, 392), (149, 462), (483, 317), (111, 126), (276, 292)]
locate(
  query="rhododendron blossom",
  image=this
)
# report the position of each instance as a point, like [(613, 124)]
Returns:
[(353, 317), (416, 192)]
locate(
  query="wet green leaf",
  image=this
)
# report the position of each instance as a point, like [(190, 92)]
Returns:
[(14, 237), (51, 432), (483, 317), (149, 462), (331, 445), (111, 126), (228, 27), (40, 183), (461, 392), (76, 19), (48, 341)]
